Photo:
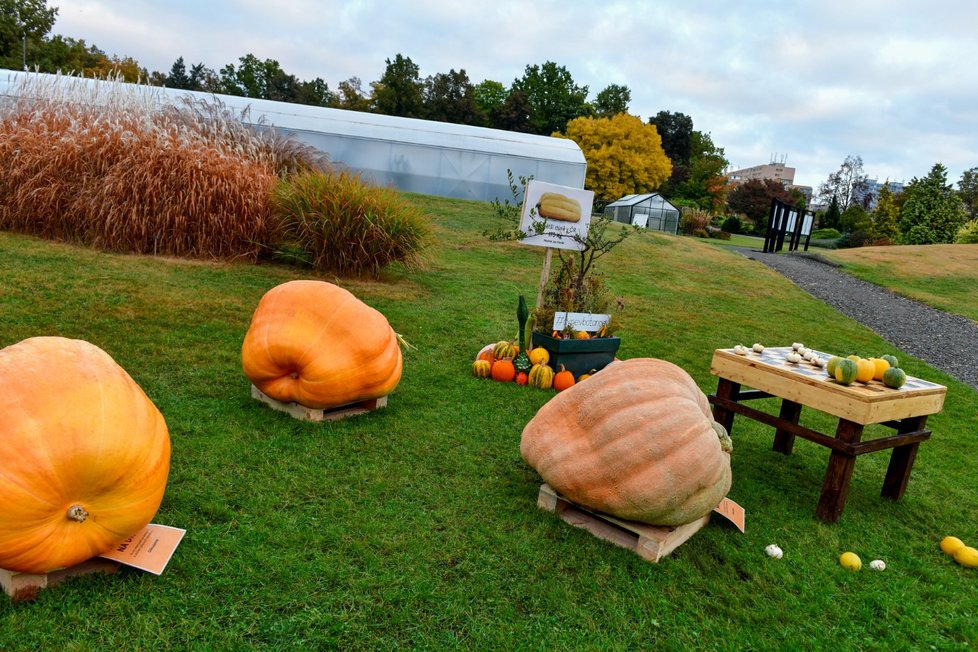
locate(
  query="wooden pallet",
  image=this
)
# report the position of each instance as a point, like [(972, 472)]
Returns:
[(304, 413), (23, 587), (651, 542)]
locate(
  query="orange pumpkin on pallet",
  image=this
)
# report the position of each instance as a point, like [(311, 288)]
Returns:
[(637, 441), (315, 344), (84, 454)]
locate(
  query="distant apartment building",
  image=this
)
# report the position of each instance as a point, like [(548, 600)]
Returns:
[(776, 171), (868, 193)]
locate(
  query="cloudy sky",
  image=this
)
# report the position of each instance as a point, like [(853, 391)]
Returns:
[(810, 82)]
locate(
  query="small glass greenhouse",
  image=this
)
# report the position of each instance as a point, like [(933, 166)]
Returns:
[(423, 156), (652, 211)]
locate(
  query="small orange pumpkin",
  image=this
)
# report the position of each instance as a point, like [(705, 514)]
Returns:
[(637, 441), (84, 454), (503, 370), (563, 379), (316, 344), (582, 335), (522, 378)]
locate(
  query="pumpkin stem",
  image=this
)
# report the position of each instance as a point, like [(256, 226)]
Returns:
[(726, 443), (77, 513), (403, 342)]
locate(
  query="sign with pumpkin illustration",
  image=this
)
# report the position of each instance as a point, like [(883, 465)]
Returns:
[(555, 216)]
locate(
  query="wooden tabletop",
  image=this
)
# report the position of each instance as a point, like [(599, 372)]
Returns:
[(808, 385)]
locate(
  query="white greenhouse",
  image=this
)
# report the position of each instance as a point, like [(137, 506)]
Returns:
[(436, 158), (651, 211)]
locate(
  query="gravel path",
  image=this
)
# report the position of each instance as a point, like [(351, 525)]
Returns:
[(946, 341)]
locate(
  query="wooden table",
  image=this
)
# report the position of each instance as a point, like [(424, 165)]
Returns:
[(857, 405)]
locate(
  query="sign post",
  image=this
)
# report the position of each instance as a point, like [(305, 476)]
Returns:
[(555, 217)]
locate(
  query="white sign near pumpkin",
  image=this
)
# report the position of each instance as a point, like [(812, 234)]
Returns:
[(581, 321), (555, 216)]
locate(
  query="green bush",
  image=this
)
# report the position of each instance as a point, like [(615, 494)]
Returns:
[(826, 234), (967, 234), (732, 225), (720, 235), (346, 226)]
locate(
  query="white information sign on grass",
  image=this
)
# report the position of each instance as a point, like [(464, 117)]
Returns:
[(581, 321), (555, 216)]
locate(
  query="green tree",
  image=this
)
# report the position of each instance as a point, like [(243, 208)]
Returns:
[(832, 218), (553, 96), (705, 185), (399, 91), (855, 218), (933, 213), (624, 156), (350, 96), (514, 114), (844, 183), (178, 77), (450, 97), (676, 131), (968, 192), (489, 96), (886, 216), (23, 26), (612, 100)]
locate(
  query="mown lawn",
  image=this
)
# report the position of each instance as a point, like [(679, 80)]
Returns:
[(416, 526), (943, 276)]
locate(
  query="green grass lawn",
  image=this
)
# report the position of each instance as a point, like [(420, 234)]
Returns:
[(416, 526), (739, 240), (943, 276)]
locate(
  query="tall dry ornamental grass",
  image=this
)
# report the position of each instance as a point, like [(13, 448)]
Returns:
[(117, 167)]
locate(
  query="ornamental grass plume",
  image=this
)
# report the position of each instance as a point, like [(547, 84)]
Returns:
[(116, 166)]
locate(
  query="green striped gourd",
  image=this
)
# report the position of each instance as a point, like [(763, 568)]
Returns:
[(846, 371), (894, 377), (481, 368), (504, 350), (541, 376)]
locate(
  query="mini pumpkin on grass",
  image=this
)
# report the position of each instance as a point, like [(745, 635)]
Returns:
[(637, 441), (314, 343), (84, 454)]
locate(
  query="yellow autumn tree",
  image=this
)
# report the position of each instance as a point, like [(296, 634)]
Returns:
[(624, 155)]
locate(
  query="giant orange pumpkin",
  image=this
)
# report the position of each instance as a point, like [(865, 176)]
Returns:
[(637, 441), (316, 344), (84, 454)]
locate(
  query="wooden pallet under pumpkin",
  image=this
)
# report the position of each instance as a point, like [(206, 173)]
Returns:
[(650, 542), (304, 413), (23, 587)]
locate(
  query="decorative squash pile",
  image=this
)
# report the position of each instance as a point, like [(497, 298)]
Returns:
[(84, 454), (638, 442), (501, 361), (505, 361)]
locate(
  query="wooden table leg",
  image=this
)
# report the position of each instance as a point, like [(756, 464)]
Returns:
[(784, 441), (730, 390), (835, 488), (901, 460)]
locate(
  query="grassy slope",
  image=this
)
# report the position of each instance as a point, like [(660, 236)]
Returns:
[(943, 276), (416, 526)]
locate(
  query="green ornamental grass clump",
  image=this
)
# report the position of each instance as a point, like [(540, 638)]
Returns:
[(343, 225)]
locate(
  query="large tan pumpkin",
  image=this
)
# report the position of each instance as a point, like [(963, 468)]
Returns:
[(84, 454), (316, 344), (637, 441)]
